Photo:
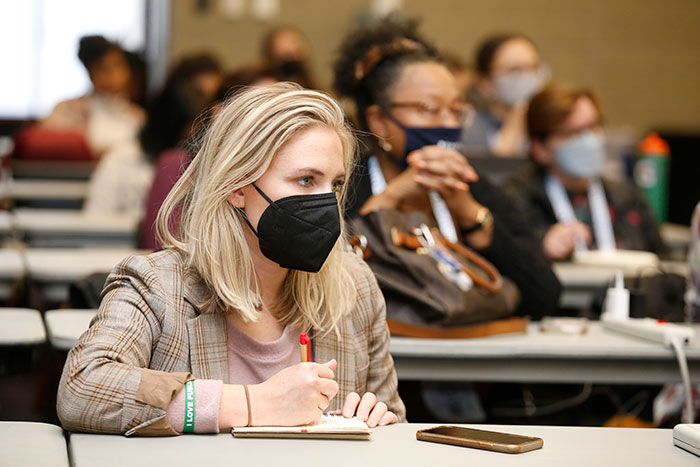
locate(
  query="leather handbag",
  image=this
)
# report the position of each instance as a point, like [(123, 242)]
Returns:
[(419, 287)]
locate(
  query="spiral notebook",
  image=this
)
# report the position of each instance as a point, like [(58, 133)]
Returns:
[(328, 427)]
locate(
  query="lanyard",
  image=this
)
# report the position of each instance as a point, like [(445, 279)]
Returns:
[(564, 212), (440, 209)]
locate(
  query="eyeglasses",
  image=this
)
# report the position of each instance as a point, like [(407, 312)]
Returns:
[(566, 133), (542, 69), (459, 110)]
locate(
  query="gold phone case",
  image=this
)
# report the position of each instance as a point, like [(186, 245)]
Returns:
[(487, 440)]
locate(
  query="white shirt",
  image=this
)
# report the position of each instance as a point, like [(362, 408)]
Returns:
[(120, 182)]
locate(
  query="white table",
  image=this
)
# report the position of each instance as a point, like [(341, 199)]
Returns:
[(580, 282), (55, 268), (75, 228), (11, 270), (598, 356), (41, 193), (30, 444), (65, 326), (37, 189), (395, 445), (6, 224), (21, 326), (677, 237)]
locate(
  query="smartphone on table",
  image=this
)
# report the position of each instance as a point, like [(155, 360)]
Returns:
[(480, 439)]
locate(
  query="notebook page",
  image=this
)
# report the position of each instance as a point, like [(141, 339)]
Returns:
[(326, 424)]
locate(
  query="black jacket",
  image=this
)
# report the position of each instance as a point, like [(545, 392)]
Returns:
[(634, 225)]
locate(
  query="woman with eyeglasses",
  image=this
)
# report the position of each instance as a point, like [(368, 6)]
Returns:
[(510, 71), (564, 194), (408, 102)]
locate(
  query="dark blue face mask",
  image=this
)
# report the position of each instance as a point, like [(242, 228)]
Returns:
[(417, 137)]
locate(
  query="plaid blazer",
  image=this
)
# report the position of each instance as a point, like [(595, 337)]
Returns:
[(149, 338)]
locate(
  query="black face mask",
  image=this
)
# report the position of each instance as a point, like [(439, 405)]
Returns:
[(298, 232)]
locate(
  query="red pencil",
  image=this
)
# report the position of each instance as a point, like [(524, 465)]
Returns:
[(305, 347)]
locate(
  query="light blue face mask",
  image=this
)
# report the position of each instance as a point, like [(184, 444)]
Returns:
[(582, 156)]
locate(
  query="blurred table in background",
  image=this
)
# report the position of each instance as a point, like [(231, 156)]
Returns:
[(54, 228), (6, 225), (598, 356), (677, 237), (580, 282), (53, 269), (11, 270), (37, 193), (65, 326), (20, 327)]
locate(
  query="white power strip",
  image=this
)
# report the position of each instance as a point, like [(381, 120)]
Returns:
[(668, 334), (650, 329)]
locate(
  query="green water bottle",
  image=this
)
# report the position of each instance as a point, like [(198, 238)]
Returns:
[(651, 174)]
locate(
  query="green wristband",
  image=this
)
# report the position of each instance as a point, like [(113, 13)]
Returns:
[(189, 407)]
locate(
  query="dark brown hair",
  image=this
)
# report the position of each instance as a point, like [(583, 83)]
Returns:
[(487, 49)]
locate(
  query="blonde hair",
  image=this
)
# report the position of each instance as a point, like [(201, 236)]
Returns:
[(236, 150)]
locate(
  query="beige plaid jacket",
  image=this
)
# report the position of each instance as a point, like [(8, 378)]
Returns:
[(149, 338)]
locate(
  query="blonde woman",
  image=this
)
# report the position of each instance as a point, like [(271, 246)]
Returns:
[(215, 318)]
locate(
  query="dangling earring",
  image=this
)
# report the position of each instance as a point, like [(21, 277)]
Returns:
[(385, 145)]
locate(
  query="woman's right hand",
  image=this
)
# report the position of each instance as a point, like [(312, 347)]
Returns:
[(560, 240), (510, 139), (401, 189), (441, 169), (297, 395), (431, 167)]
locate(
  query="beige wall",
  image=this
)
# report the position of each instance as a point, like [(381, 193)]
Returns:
[(642, 56)]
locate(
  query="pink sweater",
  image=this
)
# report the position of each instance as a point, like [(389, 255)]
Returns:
[(249, 362)]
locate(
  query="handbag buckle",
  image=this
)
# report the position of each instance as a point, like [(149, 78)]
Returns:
[(358, 244), (424, 236)]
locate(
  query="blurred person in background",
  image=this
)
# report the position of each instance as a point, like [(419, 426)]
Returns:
[(570, 204), (106, 116), (408, 102), (123, 177), (285, 44), (510, 72), (172, 163), (138, 84), (287, 50), (464, 74), (692, 297)]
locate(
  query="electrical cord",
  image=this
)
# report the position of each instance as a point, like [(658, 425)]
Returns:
[(689, 413), (531, 409)]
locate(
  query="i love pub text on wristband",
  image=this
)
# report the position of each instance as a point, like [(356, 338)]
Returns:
[(189, 407)]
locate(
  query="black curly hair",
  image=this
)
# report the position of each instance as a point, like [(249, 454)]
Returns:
[(375, 86)]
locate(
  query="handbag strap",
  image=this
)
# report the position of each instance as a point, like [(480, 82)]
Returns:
[(490, 328), (497, 281), (411, 241)]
